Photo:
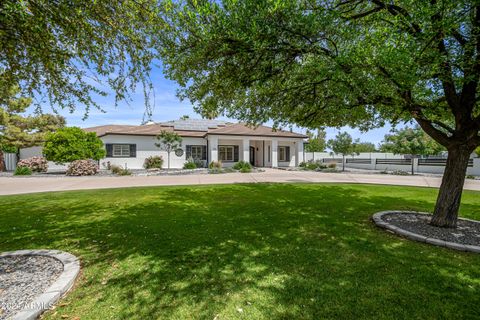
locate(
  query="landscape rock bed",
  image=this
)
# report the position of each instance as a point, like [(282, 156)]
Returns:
[(416, 226), (32, 281), (22, 278)]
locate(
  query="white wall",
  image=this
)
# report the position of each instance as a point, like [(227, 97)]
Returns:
[(146, 148), (37, 152)]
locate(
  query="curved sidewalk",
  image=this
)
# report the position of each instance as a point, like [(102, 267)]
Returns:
[(19, 185)]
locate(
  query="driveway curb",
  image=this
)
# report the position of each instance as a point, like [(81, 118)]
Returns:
[(377, 219), (43, 302)]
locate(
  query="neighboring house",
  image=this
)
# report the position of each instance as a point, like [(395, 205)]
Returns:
[(207, 140)]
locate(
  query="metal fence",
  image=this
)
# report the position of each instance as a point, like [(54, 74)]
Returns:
[(10, 161), (438, 162)]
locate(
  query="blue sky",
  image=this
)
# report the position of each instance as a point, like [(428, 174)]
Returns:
[(169, 107)]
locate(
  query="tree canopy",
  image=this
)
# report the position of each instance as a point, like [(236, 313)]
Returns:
[(410, 141), (72, 143), (360, 63), (18, 130), (66, 53), (361, 146)]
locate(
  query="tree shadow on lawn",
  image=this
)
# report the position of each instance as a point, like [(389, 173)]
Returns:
[(247, 251)]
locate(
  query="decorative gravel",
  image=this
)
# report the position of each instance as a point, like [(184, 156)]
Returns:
[(466, 233), (22, 278)]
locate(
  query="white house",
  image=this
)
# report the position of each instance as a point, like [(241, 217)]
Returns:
[(207, 140)]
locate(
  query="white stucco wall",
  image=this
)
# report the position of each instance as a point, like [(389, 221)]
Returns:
[(146, 148), (37, 152)]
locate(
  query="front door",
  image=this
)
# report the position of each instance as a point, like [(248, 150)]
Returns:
[(252, 156)]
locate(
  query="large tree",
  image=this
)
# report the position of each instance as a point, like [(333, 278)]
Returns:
[(362, 146), (411, 141), (19, 130), (333, 63), (68, 52)]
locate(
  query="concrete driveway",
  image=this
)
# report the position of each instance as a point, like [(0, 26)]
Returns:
[(19, 185)]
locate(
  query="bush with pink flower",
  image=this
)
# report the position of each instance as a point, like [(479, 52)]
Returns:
[(35, 164), (82, 168)]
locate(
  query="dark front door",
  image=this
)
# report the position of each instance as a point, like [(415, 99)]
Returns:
[(252, 156)]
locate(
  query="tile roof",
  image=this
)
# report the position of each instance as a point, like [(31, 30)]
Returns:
[(193, 128)]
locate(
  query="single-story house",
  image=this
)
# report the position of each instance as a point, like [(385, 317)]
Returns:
[(206, 140)]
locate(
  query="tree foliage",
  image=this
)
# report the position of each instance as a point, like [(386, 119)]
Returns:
[(68, 52), (342, 144), (168, 141), (18, 130), (72, 143), (412, 141), (334, 63), (316, 142), (359, 147)]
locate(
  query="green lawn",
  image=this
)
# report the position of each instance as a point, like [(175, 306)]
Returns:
[(256, 251)]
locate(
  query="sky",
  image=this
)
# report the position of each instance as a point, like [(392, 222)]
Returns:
[(169, 107)]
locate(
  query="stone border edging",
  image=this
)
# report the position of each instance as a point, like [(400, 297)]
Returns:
[(377, 219), (64, 282)]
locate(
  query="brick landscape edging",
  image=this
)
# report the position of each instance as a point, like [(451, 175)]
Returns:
[(377, 218), (46, 300)]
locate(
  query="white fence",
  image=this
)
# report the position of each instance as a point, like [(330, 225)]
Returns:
[(10, 161), (391, 162)]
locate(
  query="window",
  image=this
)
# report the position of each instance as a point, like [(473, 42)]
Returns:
[(226, 153), (283, 153), (121, 150), (197, 152)]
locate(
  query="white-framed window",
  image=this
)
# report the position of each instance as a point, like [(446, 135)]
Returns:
[(197, 152), (121, 150), (282, 154), (226, 153)]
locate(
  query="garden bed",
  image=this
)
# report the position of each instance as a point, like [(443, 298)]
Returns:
[(416, 226)]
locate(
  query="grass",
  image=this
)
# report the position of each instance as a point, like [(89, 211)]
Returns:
[(256, 251)]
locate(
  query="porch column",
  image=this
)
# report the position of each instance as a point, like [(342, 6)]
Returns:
[(274, 153), (246, 150), (299, 155), (213, 149)]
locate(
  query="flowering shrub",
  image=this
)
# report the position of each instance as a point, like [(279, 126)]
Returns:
[(82, 168), (153, 162), (35, 164)]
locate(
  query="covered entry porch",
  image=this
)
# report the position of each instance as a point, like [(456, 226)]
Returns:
[(258, 151)]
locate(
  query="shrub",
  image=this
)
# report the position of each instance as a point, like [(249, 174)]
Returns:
[(215, 165), (82, 168), (245, 169), (332, 165), (70, 144), (190, 164), (469, 176), (199, 163), (23, 171), (124, 172), (115, 169), (314, 165), (242, 165), (119, 170), (153, 162), (303, 164), (35, 164)]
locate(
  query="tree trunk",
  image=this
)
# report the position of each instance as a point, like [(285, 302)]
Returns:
[(168, 157), (343, 162), (2, 162), (450, 193)]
